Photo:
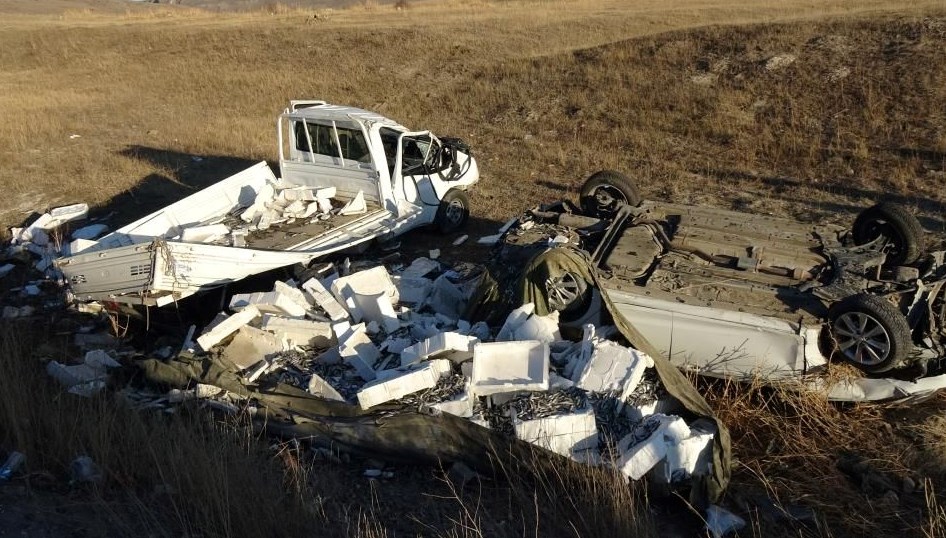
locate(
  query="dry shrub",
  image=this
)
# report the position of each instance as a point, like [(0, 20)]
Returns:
[(796, 447), (401, 4)]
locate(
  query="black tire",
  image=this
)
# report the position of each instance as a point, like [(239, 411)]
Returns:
[(897, 225), (453, 212), (870, 333), (604, 192)]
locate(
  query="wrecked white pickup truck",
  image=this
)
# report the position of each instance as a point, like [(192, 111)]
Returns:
[(347, 176), (736, 295)]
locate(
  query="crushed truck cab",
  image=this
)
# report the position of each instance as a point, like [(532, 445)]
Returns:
[(347, 176)]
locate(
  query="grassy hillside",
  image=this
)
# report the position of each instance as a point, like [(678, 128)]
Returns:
[(810, 110)]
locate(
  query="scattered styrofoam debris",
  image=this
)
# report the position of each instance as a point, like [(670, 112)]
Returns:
[(515, 318), (412, 290), (359, 352), (6, 268), (319, 387), (325, 300), (503, 367), (303, 332), (451, 345), (563, 434), (647, 445), (204, 234), (272, 302), (460, 240), (91, 231), (356, 206), (251, 345), (612, 367), (227, 327), (370, 282), (423, 377)]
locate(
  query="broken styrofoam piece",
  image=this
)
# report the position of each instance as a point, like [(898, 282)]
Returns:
[(415, 380), (99, 358), (563, 434), (227, 327), (449, 345), (612, 368), (376, 309), (294, 293), (460, 405), (489, 239), (420, 267), (61, 215), (200, 392), (460, 240), (503, 367), (77, 374), (434, 253), (320, 387), (446, 298), (369, 282), (204, 234), (359, 352), (544, 328), (412, 290), (690, 456), (515, 318), (6, 268), (265, 195), (251, 345), (325, 300), (91, 231), (647, 445), (355, 206), (272, 302), (79, 245), (721, 522), (301, 332)]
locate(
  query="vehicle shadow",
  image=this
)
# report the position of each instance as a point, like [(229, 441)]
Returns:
[(188, 173), (930, 212)]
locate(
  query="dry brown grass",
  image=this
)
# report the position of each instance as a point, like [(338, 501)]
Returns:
[(546, 92)]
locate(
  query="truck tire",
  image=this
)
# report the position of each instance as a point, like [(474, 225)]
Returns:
[(453, 212), (870, 333), (604, 192), (897, 225)]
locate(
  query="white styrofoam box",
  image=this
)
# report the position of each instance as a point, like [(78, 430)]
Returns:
[(458, 347), (298, 194), (320, 387), (359, 352), (271, 302), (412, 290), (544, 328), (692, 455), (325, 193), (377, 308), (562, 434), (226, 327), (325, 300), (368, 282), (418, 379), (460, 405), (66, 213), (204, 234), (502, 367), (296, 208), (515, 318), (637, 459), (612, 367), (300, 331)]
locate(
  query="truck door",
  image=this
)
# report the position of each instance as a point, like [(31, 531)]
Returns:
[(416, 153)]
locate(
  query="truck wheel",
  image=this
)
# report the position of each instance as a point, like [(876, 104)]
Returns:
[(453, 212), (896, 225), (870, 333), (604, 192)]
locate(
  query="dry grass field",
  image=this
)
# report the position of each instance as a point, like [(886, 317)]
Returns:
[(806, 109)]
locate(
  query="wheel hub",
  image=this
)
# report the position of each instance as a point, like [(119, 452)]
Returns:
[(862, 338), (563, 291)]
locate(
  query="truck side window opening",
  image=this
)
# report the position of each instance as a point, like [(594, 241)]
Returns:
[(389, 143), (354, 145)]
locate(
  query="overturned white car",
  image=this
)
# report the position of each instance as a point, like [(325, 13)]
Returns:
[(738, 295)]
